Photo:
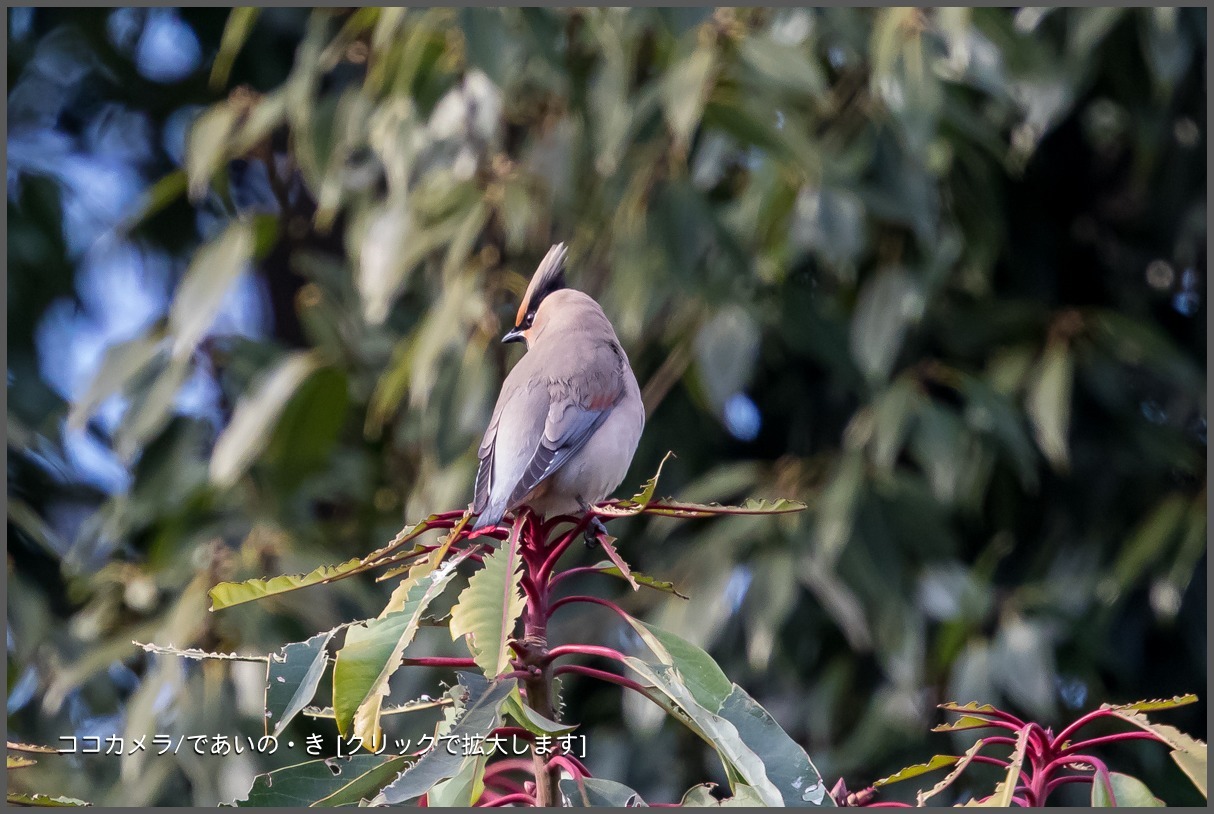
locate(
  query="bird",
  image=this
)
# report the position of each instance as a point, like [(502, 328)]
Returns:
[(569, 415)]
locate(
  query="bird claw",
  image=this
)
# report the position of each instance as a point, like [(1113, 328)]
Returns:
[(591, 535)]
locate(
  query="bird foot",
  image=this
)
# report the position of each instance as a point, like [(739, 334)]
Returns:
[(591, 535)]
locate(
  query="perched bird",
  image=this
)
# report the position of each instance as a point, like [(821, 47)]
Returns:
[(569, 415)]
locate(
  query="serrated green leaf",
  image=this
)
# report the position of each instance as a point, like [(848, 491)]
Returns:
[(923, 796), (19, 762), (372, 653), (531, 720), (479, 715), (44, 801), (642, 579), (1155, 704), (335, 781), (674, 508), (487, 611), (1128, 792), (1193, 763), (636, 503), (607, 543), (962, 723), (32, 748), (937, 762), (228, 594), (292, 676), (1002, 797)]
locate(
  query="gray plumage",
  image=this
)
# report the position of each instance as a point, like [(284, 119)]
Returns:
[(569, 414)]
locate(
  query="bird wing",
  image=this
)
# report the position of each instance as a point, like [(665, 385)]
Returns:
[(484, 470), (567, 429)]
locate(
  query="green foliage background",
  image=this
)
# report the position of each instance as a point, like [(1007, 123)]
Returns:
[(955, 259)]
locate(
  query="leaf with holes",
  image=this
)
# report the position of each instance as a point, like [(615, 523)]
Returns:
[(330, 782), (479, 713), (595, 792), (293, 675)]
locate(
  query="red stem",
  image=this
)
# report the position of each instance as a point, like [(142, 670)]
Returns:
[(1120, 736), (602, 675), (559, 548), (594, 600), (574, 769), (583, 650), (1059, 781), (570, 572), (438, 661), (1076, 725)]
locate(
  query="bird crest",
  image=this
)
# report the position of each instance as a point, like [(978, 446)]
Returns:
[(549, 277)]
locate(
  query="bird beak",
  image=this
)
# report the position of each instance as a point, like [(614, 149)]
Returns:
[(513, 335)]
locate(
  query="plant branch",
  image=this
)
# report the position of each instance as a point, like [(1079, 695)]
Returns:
[(593, 600), (1120, 736), (584, 650), (602, 675), (438, 661)]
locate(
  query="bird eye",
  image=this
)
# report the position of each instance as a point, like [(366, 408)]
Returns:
[(527, 320)]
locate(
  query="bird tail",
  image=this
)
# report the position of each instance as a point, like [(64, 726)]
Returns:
[(491, 516)]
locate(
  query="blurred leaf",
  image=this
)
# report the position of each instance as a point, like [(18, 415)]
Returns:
[(1147, 544), (889, 304), (206, 282), (309, 426), (674, 508), (18, 762), (235, 33), (1049, 403), (206, 146), (292, 678), (684, 91), (334, 781), (488, 610), (479, 714), (1128, 792), (595, 792), (255, 417)]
